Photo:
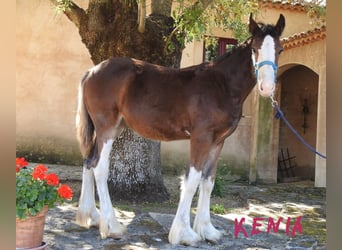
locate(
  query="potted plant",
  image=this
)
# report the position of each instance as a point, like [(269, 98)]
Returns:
[(36, 191)]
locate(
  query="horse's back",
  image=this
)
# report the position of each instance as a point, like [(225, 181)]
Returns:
[(158, 102), (105, 83)]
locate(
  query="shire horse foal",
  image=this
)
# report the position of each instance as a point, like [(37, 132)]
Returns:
[(202, 103)]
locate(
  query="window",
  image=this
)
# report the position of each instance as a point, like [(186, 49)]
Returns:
[(216, 46)]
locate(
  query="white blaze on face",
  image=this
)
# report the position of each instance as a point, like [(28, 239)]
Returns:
[(266, 81)]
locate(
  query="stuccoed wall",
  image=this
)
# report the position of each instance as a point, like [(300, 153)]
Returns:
[(313, 56), (297, 84), (50, 62)]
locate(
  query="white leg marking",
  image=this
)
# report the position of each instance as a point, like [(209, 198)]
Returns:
[(87, 213), (109, 226), (202, 223), (181, 232)]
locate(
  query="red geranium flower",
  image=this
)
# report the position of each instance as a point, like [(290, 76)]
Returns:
[(39, 172), (36, 188), (52, 179), (65, 191), (20, 163)]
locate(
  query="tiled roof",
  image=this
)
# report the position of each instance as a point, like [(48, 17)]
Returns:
[(282, 5), (303, 38)]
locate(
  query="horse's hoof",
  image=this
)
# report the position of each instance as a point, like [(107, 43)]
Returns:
[(184, 236), (115, 231), (87, 219), (209, 233)]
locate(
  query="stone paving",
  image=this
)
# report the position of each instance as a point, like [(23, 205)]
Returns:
[(147, 228)]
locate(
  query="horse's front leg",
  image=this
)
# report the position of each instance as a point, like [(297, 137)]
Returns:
[(181, 231), (202, 223), (200, 153), (109, 225)]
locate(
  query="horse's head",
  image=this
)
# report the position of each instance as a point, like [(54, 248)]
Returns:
[(266, 49)]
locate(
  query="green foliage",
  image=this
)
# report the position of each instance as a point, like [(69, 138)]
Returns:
[(218, 209), (30, 194), (194, 19), (232, 15), (218, 186), (318, 14), (63, 5), (34, 190), (211, 44), (220, 180)]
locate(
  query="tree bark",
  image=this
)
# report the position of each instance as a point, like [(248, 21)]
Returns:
[(136, 169), (161, 7), (110, 29)]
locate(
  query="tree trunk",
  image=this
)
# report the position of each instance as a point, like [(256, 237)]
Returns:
[(109, 29), (136, 169)]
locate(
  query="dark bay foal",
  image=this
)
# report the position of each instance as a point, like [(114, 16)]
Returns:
[(202, 103)]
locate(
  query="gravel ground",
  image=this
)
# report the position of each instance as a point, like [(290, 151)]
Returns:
[(148, 224)]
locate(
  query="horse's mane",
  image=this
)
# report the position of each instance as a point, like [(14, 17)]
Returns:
[(232, 50), (266, 29)]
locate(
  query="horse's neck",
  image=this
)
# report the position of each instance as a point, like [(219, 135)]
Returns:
[(238, 71)]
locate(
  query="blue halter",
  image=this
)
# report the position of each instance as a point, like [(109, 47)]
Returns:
[(257, 66)]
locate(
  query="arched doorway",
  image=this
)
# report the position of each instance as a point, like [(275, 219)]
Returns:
[(299, 101)]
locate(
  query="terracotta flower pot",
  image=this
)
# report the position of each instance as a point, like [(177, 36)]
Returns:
[(29, 231)]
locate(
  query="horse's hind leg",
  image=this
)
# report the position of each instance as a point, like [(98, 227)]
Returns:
[(181, 231), (109, 225), (87, 213)]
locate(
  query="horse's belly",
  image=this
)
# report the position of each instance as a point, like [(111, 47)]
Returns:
[(159, 129), (159, 135)]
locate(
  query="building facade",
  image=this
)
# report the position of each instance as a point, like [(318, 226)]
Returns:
[(51, 60)]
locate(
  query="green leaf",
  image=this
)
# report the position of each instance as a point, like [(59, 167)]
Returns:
[(32, 211)]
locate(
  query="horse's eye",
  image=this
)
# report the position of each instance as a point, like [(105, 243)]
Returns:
[(253, 49), (281, 50)]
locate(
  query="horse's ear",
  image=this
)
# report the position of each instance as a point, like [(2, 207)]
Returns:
[(253, 26), (280, 25)]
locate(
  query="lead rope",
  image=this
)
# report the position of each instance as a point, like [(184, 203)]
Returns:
[(281, 115)]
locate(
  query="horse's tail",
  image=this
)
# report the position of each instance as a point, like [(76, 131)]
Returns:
[(84, 125)]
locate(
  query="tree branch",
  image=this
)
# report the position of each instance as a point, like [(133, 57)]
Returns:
[(197, 10), (141, 15), (72, 11), (205, 4), (162, 7)]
